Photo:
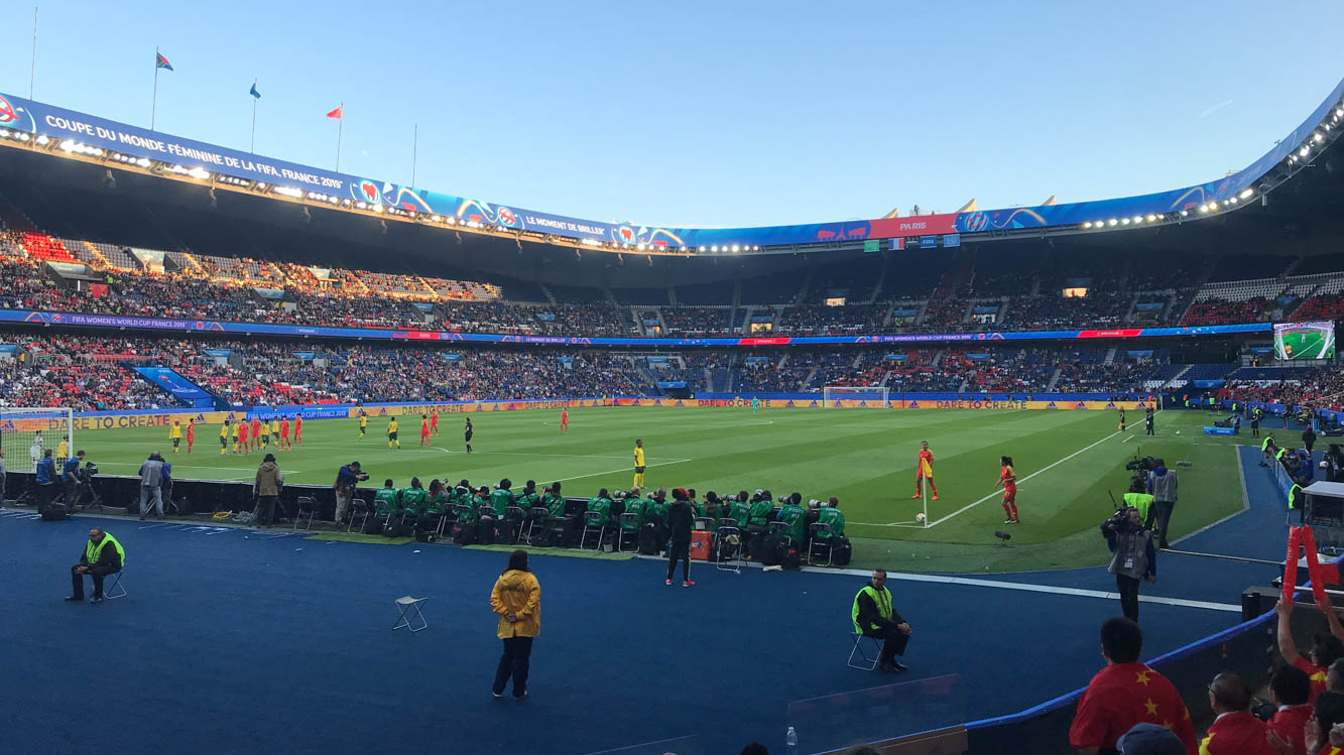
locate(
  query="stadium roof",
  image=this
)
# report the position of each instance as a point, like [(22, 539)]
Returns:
[(222, 201)]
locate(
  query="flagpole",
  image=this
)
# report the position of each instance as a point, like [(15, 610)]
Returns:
[(154, 103), (415, 148), (32, 68), (340, 124), (252, 144)]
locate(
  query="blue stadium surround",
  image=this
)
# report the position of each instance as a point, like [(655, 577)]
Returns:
[(81, 320), (38, 126)]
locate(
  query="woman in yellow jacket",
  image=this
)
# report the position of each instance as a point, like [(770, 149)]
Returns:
[(516, 598)]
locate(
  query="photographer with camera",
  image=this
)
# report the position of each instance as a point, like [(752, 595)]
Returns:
[(1133, 556)]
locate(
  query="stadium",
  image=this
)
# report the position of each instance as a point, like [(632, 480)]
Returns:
[(171, 300)]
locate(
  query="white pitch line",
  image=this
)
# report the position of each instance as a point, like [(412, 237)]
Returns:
[(526, 453), (1047, 468), (622, 469), (1028, 587)]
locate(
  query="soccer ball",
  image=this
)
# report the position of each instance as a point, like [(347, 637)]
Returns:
[(919, 517), (1178, 432)]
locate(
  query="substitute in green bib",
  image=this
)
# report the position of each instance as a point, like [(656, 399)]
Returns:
[(874, 616), (102, 556)]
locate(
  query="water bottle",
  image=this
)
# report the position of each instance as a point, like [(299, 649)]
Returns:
[(791, 741)]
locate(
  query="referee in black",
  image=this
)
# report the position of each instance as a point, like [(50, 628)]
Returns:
[(680, 517), (1148, 421)]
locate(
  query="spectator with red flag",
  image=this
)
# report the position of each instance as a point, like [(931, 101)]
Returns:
[(1124, 693), (1324, 651)]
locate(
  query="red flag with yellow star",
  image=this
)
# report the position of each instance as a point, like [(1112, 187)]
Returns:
[(1122, 695)]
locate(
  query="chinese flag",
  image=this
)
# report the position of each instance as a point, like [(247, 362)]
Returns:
[(336, 112)]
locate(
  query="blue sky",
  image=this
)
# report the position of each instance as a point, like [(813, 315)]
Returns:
[(707, 114)]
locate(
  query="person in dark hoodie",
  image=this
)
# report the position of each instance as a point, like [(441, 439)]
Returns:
[(1162, 484), (267, 489), (680, 517)]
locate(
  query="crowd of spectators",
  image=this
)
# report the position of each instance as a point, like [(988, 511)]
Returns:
[(246, 290)]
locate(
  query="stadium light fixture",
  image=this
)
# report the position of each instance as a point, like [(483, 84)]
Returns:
[(1204, 209), (1246, 193), (1088, 224), (1124, 221), (1318, 137), (1151, 218), (436, 218), (755, 249), (1112, 222), (1185, 213), (42, 140), (736, 248), (1138, 219), (1306, 150)]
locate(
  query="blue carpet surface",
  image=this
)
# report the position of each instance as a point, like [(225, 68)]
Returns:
[(240, 642)]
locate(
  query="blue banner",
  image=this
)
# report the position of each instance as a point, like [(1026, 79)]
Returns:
[(182, 389), (81, 320)]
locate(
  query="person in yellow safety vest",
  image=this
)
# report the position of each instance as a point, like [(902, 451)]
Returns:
[(1267, 449), (102, 556), (874, 616), (1139, 498)]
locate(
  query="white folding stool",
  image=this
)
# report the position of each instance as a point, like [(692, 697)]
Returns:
[(410, 611)]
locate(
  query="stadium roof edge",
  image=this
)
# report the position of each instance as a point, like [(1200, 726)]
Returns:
[(26, 124)]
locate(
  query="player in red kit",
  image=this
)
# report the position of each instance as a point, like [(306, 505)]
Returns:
[(242, 437), (424, 430), (255, 434), (924, 471), (564, 419), (284, 432), (1008, 479), (191, 433), (434, 421), (298, 429)]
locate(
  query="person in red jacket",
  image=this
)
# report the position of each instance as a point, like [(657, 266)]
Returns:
[(1290, 690), (1124, 693), (284, 433), (298, 429), (1324, 651), (1235, 731)]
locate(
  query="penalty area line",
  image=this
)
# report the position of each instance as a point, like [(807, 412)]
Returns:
[(1046, 468)]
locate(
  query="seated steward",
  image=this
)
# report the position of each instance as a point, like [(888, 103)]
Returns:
[(831, 514), (502, 497), (739, 511), (795, 516), (386, 502), (102, 556), (761, 509), (601, 503), (554, 501), (875, 616)]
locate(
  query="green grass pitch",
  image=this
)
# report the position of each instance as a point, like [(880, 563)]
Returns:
[(1066, 463)]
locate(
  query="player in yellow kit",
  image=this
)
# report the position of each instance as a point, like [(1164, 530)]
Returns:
[(63, 449), (175, 434), (224, 438), (639, 463), (363, 424), (238, 436), (392, 441)]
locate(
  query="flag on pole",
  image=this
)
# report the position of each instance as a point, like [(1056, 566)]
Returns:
[(336, 112), (161, 61), (253, 91)]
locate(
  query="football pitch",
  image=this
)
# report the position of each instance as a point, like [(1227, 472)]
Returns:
[(1067, 462)]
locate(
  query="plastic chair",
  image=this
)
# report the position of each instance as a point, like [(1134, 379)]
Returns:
[(865, 663), (628, 525), (410, 611), (359, 507), (822, 543), (593, 520), (513, 523), (307, 505), (728, 540), (537, 515)]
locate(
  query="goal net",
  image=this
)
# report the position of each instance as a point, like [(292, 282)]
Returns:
[(847, 396), (25, 433)]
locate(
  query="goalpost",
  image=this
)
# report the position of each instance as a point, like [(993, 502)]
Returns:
[(25, 432), (843, 396)]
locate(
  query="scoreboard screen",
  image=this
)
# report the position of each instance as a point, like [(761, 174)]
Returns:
[(1304, 341)]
